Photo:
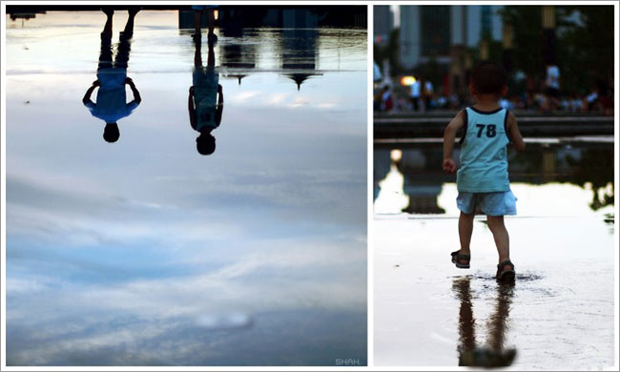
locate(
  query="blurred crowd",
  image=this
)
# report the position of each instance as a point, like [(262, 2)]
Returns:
[(533, 95)]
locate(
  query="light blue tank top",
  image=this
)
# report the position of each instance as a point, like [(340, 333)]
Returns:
[(484, 167)]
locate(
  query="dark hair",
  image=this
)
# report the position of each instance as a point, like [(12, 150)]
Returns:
[(205, 144), (489, 78), (111, 133)]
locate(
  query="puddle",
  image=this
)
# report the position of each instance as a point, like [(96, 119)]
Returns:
[(137, 252), (561, 243)]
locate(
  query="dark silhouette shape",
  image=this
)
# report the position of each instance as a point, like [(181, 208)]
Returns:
[(238, 58), (494, 354), (111, 133), (210, 9), (112, 103), (206, 99), (595, 166), (299, 47)]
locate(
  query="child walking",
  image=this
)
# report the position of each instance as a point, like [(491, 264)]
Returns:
[(482, 179)]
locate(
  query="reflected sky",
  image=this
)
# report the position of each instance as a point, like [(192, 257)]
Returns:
[(144, 252)]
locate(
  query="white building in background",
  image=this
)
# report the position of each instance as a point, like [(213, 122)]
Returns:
[(383, 23), (432, 31)]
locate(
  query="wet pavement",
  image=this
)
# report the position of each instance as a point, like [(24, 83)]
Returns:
[(560, 313), (143, 251)]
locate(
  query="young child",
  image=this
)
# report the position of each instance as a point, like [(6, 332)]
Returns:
[(112, 77), (206, 100), (482, 179)]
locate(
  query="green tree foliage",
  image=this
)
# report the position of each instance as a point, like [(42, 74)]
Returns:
[(585, 47), (584, 43), (526, 38), (389, 51)]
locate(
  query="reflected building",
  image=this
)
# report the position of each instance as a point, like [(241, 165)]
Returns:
[(381, 167), (299, 49), (24, 16), (238, 59), (297, 30), (423, 182), (587, 165), (24, 13)]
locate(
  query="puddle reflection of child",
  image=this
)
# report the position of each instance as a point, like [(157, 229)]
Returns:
[(112, 77), (494, 354), (210, 9), (206, 100), (482, 179)]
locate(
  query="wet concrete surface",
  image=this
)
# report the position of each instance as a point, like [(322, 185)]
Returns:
[(558, 316)]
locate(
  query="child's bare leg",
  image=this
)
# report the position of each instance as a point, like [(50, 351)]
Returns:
[(128, 31), (210, 56), (197, 22), (107, 29), (211, 37), (466, 315), (211, 24), (500, 235), (466, 227), (198, 54)]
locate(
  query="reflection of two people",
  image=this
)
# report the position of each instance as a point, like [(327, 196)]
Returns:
[(112, 103), (206, 99), (494, 354)]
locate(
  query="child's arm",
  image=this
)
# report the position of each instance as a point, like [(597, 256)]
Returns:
[(191, 108), (515, 134), (220, 105), (134, 90), (449, 136), (86, 100)]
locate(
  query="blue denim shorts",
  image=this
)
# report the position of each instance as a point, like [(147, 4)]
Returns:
[(489, 203), (204, 7)]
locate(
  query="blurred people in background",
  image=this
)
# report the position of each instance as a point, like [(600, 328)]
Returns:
[(592, 99), (552, 88), (387, 99), (536, 95), (416, 93), (428, 93)]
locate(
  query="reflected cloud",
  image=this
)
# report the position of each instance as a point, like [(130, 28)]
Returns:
[(278, 99), (225, 321), (244, 97), (145, 254)]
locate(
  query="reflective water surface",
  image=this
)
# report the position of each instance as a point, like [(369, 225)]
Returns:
[(145, 252), (560, 313)]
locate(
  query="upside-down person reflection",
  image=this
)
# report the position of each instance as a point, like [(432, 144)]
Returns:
[(112, 103), (494, 355), (206, 99)]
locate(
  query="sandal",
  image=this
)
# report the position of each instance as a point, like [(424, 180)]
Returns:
[(458, 257), (504, 275)]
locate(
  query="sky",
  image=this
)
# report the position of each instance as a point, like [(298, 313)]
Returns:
[(145, 252)]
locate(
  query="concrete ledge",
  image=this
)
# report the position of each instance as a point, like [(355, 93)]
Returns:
[(416, 126)]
